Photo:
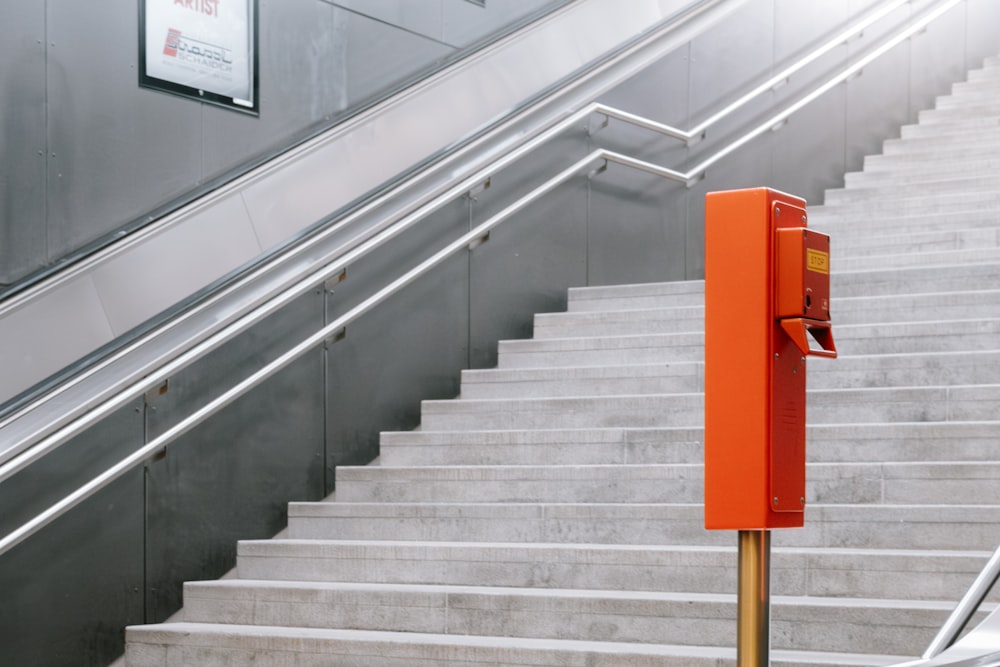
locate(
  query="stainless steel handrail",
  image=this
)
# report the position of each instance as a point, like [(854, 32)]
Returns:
[(74, 427), (698, 131), (159, 443), (967, 606), (692, 175), (40, 444)]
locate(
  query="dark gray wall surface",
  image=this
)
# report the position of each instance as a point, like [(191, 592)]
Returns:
[(123, 555), (72, 587), (85, 152)]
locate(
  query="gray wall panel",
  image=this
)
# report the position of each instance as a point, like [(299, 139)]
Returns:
[(937, 59), (112, 153), (534, 256), (636, 228), (808, 151), (636, 222), (410, 348), (980, 43), (115, 151), (526, 267), (800, 26), (380, 56), (465, 22), (425, 18), (71, 588), (22, 138), (302, 84), (232, 477), (735, 55), (877, 104)]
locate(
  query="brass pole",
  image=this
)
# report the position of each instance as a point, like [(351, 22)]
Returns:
[(753, 614)]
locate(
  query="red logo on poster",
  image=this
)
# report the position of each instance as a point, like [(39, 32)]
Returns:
[(173, 40)]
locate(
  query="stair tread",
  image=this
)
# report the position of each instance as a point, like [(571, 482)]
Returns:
[(237, 585), (242, 636)]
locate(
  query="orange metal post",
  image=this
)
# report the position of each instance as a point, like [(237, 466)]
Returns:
[(766, 293)]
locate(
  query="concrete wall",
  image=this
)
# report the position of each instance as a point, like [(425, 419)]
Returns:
[(85, 152)]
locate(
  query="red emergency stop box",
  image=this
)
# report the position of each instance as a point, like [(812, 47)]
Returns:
[(767, 307)]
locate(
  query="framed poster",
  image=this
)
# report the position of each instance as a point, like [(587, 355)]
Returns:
[(203, 49)]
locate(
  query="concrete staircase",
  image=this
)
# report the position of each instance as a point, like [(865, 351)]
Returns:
[(551, 515)]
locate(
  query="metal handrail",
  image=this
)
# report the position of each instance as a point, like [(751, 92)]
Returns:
[(59, 437), (698, 131), (967, 606), (102, 408)]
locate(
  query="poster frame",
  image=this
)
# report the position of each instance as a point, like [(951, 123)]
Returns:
[(209, 97)]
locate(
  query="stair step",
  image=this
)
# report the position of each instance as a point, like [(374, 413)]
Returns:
[(906, 369), (952, 113), (916, 441), (914, 280), (220, 645), (957, 203), (967, 256), (909, 173), (846, 226), (929, 241), (937, 527), (979, 101), (805, 623), (962, 126), (636, 297), (877, 404), (829, 572), (936, 278), (966, 145), (944, 483), (983, 74), (646, 346), (965, 315), (987, 182)]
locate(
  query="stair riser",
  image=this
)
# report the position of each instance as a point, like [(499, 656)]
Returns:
[(569, 358), (825, 574), (956, 204), (857, 227), (847, 372), (856, 195), (889, 166), (977, 145), (914, 259), (937, 241), (825, 407), (871, 527), (686, 380), (846, 484), (680, 622), (867, 283), (985, 102), (908, 174), (869, 442), (959, 318), (951, 114), (192, 649), (967, 127), (902, 281), (185, 648), (612, 297)]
